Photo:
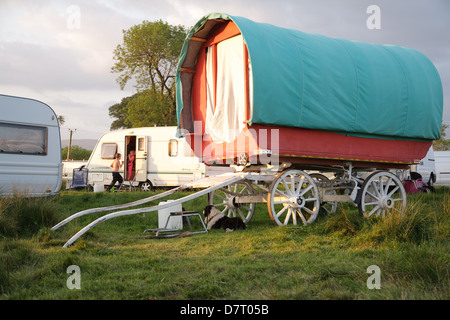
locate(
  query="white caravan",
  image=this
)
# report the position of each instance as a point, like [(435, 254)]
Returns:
[(161, 159), (30, 148), (442, 168), (427, 167)]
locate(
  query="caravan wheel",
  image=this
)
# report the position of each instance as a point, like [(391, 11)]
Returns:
[(382, 193), (224, 199), (293, 199), (146, 186)]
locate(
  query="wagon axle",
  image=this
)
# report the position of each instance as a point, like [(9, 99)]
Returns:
[(294, 196)]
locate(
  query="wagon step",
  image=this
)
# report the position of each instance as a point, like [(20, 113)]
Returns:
[(187, 217)]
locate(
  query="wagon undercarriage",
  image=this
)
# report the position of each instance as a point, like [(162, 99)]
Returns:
[(292, 195)]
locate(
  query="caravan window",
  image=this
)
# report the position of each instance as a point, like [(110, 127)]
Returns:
[(173, 148), (23, 139), (141, 144), (108, 150)]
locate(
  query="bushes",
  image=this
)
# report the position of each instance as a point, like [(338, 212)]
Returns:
[(22, 216)]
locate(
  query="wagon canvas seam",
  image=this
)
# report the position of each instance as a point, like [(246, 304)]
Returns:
[(407, 86), (357, 81)]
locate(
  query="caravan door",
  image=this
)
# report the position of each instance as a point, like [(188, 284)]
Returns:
[(141, 158)]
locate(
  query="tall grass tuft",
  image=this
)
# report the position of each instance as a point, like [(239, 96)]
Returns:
[(428, 262), (413, 224), (15, 254), (23, 216), (344, 221), (422, 220)]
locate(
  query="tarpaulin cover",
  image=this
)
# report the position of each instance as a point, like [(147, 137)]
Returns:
[(317, 82)]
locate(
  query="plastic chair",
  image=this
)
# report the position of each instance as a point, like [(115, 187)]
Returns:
[(80, 178)]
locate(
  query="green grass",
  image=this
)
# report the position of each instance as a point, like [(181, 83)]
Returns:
[(325, 260)]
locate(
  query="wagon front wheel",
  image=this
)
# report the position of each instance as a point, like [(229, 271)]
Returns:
[(381, 194), (293, 198), (224, 199)]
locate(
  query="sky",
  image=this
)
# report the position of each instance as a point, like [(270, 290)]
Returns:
[(60, 52)]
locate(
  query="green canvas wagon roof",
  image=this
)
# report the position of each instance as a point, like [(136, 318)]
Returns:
[(312, 81)]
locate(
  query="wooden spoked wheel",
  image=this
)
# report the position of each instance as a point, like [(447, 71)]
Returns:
[(224, 199), (381, 194), (293, 198)]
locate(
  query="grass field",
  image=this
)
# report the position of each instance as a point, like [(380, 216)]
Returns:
[(325, 260)]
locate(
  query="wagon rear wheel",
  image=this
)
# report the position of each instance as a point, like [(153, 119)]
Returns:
[(224, 199), (293, 198), (381, 194)]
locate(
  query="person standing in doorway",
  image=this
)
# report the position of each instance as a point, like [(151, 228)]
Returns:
[(116, 165), (131, 159)]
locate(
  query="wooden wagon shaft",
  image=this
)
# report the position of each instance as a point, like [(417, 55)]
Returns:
[(201, 183), (335, 198), (116, 207), (214, 182), (262, 198), (258, 198)]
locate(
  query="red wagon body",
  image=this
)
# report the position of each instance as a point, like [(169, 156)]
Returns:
[(261, 144)]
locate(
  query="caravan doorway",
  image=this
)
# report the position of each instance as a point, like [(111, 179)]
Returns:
[(135, 163), (130, 158), (227, 84)]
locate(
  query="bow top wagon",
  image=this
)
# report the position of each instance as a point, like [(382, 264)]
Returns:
[(273, 104), (328, 99), (253, 93)]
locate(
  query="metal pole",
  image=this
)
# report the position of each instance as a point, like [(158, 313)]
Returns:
[(70, 143)]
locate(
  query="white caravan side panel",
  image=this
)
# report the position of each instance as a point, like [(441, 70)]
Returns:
[(171, 162), (30, 148), (427, 166), (442, 163)]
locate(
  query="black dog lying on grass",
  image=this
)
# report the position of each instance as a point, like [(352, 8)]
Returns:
[(214, 219)]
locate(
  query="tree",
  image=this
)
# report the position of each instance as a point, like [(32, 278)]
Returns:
[(442, 144), (119, 111), (61, 120), (149, 56), (150, 109), (76, 153)]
